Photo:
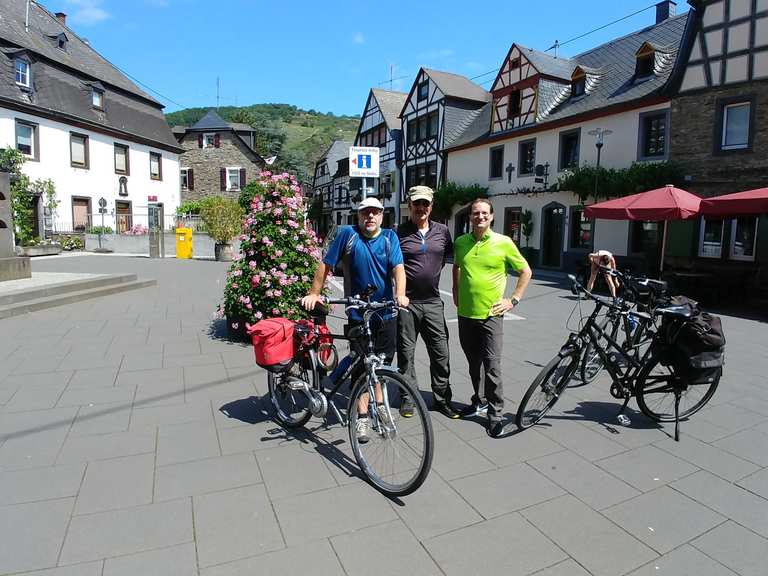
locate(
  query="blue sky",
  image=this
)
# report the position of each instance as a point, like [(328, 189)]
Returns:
[(326, 55)]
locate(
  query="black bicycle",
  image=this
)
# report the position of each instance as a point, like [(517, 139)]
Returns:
[(646, 295), (396, 454), (662, 394)]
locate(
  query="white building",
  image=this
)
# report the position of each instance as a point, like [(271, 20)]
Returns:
[(81, 123), (544, 117)]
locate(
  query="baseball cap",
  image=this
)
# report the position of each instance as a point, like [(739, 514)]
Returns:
[(370, 202), (421, 193)]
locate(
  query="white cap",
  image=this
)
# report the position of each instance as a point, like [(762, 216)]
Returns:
[(370, 202)]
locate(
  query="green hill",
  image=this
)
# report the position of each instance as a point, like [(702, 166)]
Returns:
[(297, 137)]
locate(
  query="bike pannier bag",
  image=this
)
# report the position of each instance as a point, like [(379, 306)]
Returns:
[(273, 343)]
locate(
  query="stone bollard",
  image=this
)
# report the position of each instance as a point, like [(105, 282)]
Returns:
[(11, 266)]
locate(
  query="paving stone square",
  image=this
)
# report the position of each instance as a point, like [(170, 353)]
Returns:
[(139, 441)]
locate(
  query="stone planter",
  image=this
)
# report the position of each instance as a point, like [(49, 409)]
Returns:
[(223, 252), (42, 250)]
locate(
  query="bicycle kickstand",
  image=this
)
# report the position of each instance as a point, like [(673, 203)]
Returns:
[(677, 416)]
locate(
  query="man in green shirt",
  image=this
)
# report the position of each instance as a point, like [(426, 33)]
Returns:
[(481, 259)]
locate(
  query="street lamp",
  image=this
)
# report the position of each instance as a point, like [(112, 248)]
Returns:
[(599, 134)]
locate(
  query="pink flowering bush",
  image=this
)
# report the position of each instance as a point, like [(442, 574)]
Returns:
[(279, 253)]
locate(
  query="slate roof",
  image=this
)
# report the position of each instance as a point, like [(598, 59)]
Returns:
[(610, 77), (78, 54), (62, 80), (548, 64), (457, 86), (390, 104), (211, 121), (338, 150), (464, 126)]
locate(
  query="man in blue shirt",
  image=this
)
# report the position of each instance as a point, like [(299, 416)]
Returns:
[(371, 256)]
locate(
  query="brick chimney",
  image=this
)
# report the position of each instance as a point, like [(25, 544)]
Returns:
[(62, 17), (665, 10)]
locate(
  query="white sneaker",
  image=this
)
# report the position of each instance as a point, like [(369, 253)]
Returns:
[(385, 418), (361, 429)]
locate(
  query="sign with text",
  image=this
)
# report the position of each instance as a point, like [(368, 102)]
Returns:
[(363, 162)]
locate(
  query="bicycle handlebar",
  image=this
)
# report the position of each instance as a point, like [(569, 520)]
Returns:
[(621, 305)]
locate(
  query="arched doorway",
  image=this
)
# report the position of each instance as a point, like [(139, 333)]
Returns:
[(552, 225), (461, 223)]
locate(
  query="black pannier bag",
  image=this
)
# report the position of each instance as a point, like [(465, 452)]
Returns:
[(695, 347)]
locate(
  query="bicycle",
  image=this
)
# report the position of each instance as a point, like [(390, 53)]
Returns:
[(646, 294), (649, 378), (398, 455)]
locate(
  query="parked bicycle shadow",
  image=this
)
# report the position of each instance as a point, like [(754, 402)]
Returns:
[(322, 436), (604, 413)]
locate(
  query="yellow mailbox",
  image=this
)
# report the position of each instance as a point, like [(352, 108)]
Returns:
[(183, 242)]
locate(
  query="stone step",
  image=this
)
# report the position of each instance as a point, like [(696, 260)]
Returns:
[(59, 288), (26, 306)]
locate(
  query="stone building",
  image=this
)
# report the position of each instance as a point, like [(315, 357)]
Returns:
[(219, 157), (719, 132)]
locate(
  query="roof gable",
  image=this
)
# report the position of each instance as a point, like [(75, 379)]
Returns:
[(390, 103)]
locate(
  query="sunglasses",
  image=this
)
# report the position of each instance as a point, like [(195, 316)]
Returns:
[(421, 202)]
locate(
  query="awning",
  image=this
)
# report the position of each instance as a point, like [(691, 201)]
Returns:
[(737, 204), (667, 203)]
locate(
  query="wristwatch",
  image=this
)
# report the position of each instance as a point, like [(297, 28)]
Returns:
[(514, 301)]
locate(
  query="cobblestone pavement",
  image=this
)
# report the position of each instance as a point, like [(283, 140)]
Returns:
[(135, 441)]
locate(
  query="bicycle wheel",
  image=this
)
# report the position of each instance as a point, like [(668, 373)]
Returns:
[(398, 454), (285, 391), (546, 389), (656, 386)]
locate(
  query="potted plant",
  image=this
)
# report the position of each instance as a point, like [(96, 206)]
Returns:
[(526, 224), (223, 221), (279, 253)]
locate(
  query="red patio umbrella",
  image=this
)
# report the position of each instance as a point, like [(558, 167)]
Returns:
[(667, 203), (737, 204)]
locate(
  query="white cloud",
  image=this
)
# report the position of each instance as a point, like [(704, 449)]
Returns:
[(87, 12), (358, 38)]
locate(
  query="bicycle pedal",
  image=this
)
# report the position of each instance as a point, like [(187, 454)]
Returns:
[(623, 420)]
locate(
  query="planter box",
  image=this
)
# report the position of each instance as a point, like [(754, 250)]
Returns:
[(42, 250)]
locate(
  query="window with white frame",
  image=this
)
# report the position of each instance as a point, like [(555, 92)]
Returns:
[(22, 72), (184, 173), (26, 139), (743, 238), (233, 178), (711, 238), (209, 140), (653, 135), (735, 135)]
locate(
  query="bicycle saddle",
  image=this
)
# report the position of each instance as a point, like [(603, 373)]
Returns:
[(677, 311)]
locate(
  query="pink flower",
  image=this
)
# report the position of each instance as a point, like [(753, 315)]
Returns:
[(252, 264), (275, 311), (255, 281), (283, 265), (259, 315), (234, 285), (278, 253), (249, 306)]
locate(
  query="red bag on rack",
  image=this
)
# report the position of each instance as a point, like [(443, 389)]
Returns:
[(273, 343)]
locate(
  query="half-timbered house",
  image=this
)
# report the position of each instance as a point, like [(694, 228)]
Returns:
[(439, 108), (380, 127), (544, 118), (323, 186), (719, 131)]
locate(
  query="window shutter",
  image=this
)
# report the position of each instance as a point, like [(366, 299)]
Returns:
[(190, 179), (242, 178), (223, 179), (199, 140), (216, 140)]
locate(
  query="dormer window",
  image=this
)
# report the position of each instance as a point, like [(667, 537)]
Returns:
[(578, 87), (97, 98), (23, 72), (59, 40), (61, 43), (645, 58)]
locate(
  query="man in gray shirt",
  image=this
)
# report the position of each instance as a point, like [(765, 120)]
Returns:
[(425, 246)]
